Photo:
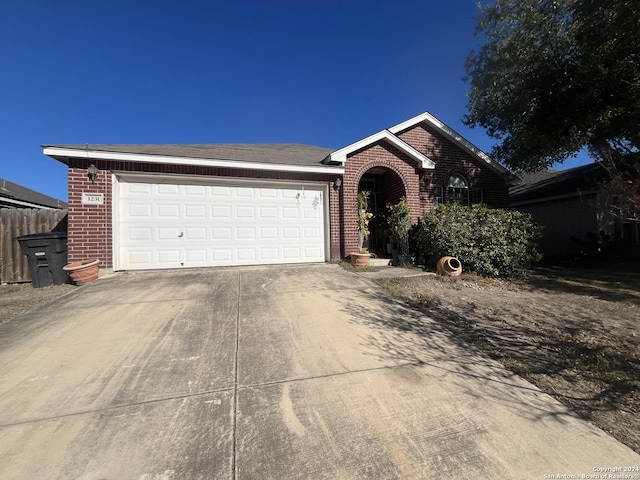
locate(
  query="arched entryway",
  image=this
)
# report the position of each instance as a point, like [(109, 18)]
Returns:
[(385, 187)]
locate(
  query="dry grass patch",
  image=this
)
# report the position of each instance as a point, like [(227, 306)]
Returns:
[(573, 333), (19, 298)]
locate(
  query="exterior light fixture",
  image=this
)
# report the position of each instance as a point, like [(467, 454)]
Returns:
[(337, 184), (92, 172)]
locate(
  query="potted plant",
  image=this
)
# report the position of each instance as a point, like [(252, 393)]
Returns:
[(400, 224), (83, 272), (361, 257)]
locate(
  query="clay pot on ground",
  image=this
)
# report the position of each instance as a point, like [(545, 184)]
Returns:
[(83, 272), (449, 267), (360, 259)]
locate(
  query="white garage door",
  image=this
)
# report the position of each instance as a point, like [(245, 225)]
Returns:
[(175, 225)]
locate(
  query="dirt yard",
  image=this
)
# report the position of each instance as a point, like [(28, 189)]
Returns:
[(573, 333), (22, 297)]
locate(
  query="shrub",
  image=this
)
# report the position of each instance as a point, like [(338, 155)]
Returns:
[(491, 242), (399, 220)]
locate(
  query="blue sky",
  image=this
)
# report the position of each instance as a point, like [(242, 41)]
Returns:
[(325, 73)]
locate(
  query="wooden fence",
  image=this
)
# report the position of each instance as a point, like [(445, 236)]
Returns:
[(23, 221)]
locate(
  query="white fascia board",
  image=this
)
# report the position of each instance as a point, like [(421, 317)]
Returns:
[(21, 203), (455, 136), (340, 156), (200, 162)]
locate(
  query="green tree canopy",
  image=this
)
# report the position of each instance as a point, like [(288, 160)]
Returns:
[(555, 76)]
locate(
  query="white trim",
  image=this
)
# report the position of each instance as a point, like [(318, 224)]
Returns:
[(340, 156), (128, 176), (26, 204), (201, 162), (115, 220), (453, 135)]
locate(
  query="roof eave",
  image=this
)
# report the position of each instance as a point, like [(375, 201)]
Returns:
[(25, 204), (62, 154), (533, 201), (458, 139)]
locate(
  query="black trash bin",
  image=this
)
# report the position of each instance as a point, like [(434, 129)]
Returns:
[(47, 254)]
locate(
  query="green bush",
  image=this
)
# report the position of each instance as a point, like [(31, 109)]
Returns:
[(399, 220), (490, 242)]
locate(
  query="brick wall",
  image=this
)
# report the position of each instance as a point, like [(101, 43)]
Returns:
[(89, 226), (402, 177), (90, 229), (335, 222), (450, 159)]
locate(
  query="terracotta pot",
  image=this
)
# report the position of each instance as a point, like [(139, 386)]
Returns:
[(360, 259), (83, 272), (449, 267)]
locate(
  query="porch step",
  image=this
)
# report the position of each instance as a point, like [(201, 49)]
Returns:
[(379, 262)]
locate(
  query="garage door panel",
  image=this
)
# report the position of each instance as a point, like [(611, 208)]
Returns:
[(167, 189), (195, 211), (138, 189), (221, 233), (197, 191), (168, 257), (291, 233), (195, 233), (196, 256), (174, 225), (312, 233), (139, 210), (245, 212), (142, 258), (246, 233), (267, 193), (290, 213), (245, 192), (268, 213), (270, 254), (245, 254), (268, 233), (220, 212), (169, 212), (220, 191), (139, 233), (223, 255)]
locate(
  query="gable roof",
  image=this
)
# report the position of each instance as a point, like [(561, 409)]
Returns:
[(391, 134), (13, 195), (455, 137), (549, 185), (340, 156), (274, 157)]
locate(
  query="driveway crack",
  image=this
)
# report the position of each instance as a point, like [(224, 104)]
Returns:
[(235, 387)]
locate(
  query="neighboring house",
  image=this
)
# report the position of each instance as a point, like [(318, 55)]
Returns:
[(173, 206), (13, 195), (565, 203)]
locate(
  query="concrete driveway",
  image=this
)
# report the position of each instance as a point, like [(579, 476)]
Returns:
[(279, 372)]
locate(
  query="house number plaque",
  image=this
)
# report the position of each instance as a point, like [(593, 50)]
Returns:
[(92, 198)]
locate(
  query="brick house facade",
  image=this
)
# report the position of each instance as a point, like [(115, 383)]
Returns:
[(415, 159)]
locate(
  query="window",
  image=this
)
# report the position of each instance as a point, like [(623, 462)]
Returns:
[(458, 189), (438, 196), (477, 195)]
